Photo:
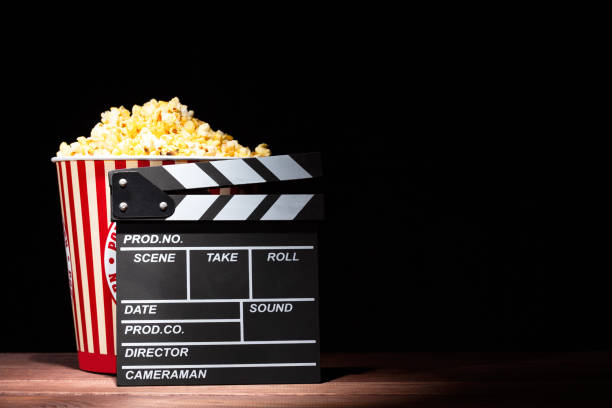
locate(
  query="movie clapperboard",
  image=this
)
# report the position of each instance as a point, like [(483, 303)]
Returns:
[(218, 289)]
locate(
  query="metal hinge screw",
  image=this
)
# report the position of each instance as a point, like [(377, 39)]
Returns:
[(123, 182), (163, 205), (123, 206)]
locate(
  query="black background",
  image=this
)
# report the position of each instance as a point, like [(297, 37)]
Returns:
[(443, 218)]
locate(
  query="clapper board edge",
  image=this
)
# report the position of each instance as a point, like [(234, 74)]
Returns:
[(248, 207), (226, 173), (150, 193)]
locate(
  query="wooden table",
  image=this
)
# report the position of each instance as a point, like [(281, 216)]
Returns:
[(351, 380)]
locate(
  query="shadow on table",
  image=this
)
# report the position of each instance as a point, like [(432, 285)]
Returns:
[(68, 360), (334, 373)]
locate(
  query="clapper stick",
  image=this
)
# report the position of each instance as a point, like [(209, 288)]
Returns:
[(162, 182), (222, 296), (230, 172)]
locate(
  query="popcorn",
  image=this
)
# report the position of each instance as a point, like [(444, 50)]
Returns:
[(153, 129)]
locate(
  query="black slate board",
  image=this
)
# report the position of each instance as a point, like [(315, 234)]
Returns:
[(216, 307)]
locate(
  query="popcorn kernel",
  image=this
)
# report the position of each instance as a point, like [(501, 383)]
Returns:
[(156, 128)]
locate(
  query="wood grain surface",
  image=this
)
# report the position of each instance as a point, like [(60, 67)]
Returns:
[(350, 380)]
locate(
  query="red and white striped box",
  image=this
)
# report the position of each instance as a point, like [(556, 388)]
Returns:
[(89, 236)]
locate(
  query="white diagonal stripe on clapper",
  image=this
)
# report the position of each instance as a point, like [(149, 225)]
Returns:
[(287, 207), (192, 207), (237, 171), (284, 167), (191, 176), (239, 207)]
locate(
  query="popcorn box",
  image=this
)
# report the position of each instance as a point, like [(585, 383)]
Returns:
[(89, 237)]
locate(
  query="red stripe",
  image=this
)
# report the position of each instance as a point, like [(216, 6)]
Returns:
[(76, 272), (103, 229), (165, 162), (88, 253), (97, 363), (70, 244), (144, 163)]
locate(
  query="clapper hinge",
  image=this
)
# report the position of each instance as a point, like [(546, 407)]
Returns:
[(133, 196)]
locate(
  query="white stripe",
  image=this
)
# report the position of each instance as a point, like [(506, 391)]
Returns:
[(287, 207), (92, 196), (192, 207), (73, 259), (218, 343), (191, 176), (217, 300), (153, 367), (239, 207), (284, 167), (80, 239), (182, 321), (212, 248), (238, 172)]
